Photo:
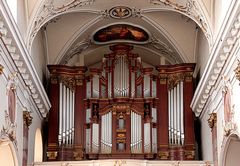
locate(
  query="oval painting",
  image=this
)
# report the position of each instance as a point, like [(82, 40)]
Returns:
[(121, 32)]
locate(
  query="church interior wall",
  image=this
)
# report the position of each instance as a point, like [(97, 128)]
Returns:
[(206, 138), (10, 78), (39, 56), (60, 32), (221, 9), (202, 53), (65, 33)]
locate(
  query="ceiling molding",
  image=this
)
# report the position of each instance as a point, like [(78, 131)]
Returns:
[(223, 50)]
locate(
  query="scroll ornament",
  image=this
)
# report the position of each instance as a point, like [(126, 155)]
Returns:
[(8, 130)]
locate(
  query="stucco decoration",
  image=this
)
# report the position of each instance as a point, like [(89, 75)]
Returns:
[(229, 125), (50, 10), (8, 131), (27, 118), (120, 12), (190, 8)]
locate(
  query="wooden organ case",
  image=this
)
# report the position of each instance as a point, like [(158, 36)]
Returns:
[(121, 110)]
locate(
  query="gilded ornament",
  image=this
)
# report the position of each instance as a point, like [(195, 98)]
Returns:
[(212, 120), (120, 12), (1, 69), (52, 155), (189, 154), (174, 79), (27, 118), (78, 154), (163, 155)]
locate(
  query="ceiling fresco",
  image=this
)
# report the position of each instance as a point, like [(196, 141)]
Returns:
[(121, 32)]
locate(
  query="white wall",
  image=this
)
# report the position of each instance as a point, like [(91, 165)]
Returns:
[(38, 55), (221, 7), (24, 102), (202, 53), (18, 11), (206, 137)]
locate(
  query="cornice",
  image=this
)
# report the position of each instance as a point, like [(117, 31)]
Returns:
[(223, 50), (13, 43)]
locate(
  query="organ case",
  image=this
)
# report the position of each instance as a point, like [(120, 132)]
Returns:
[(121, 110)]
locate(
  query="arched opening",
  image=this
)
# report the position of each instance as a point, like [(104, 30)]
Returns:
[(231, 151), (38, 148), (7, 154)]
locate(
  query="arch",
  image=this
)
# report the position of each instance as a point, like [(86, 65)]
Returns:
[(230, 151), (38, 146), (8, 155)]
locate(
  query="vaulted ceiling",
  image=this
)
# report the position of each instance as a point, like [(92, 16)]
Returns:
[(68, 27)]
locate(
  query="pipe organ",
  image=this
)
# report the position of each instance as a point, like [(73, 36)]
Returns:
[(121, 110)]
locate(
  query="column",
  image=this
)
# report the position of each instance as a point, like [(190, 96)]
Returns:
[(27, 121), (162, 115), (212, 122)]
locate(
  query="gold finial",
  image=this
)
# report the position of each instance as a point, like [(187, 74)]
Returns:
[(212, 120), (1, 69), (27, 118)]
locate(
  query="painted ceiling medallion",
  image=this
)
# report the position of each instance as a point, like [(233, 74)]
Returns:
[(120, 12), (121, 33)]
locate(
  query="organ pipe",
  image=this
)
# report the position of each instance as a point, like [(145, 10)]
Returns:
[(60, 112), (175, 109)]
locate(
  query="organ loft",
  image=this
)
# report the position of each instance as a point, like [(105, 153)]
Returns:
[(121, 109)]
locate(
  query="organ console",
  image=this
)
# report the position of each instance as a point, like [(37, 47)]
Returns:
[(121, 110)]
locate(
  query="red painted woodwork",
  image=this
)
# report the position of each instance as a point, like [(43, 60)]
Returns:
[(53, 113), (162, 115), (188, 117)]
